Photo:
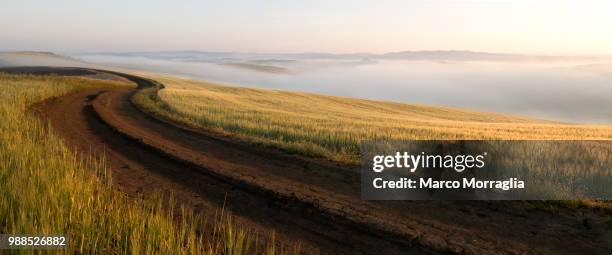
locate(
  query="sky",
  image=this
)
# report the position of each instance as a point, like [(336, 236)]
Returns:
[(280, 26)]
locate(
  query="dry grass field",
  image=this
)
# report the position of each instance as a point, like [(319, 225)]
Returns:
[(47, 189), (332, 127)]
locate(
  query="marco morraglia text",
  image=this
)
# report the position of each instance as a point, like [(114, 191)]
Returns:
[(431, 162)]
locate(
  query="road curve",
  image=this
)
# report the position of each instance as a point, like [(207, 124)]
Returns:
[(312, 201)]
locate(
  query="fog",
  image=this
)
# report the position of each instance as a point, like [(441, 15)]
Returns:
[(553, 90)]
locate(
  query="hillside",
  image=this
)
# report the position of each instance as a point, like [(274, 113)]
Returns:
[(36, 58), (72, 193), (206, 173), (333, 127)]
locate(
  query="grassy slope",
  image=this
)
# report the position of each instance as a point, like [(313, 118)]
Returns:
[(332, 127), (46, 189)]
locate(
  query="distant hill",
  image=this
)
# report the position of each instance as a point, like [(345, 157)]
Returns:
[(37, 58), (451, 55), (260, 68)]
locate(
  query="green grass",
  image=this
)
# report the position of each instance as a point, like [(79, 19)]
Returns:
[(47, 189), (333, 127)]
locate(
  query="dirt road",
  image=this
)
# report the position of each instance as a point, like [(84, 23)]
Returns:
[(313, 201)]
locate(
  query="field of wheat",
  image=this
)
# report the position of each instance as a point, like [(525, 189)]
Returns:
[(333, 127), (47, 189)]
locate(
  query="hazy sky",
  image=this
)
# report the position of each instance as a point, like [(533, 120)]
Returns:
[(542, 27)]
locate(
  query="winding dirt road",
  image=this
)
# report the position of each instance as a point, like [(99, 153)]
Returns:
[(315, 202)]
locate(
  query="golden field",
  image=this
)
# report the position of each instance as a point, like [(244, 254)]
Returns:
[(332, 127), (48, 189)]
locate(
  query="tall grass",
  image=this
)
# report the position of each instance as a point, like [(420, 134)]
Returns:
[(47, 189), (332, 127)]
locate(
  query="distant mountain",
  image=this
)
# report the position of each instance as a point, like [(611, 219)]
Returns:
[(226, 57), (451, 55), (189, 55), (37, 58), (260, 68), (471, 56)]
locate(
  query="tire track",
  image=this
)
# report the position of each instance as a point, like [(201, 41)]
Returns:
[(312, 201)]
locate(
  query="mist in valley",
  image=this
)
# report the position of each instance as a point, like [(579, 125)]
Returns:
[(564, 90), (557, 89)]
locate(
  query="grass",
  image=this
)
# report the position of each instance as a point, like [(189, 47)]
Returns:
[(333, 127), (47, 189)]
